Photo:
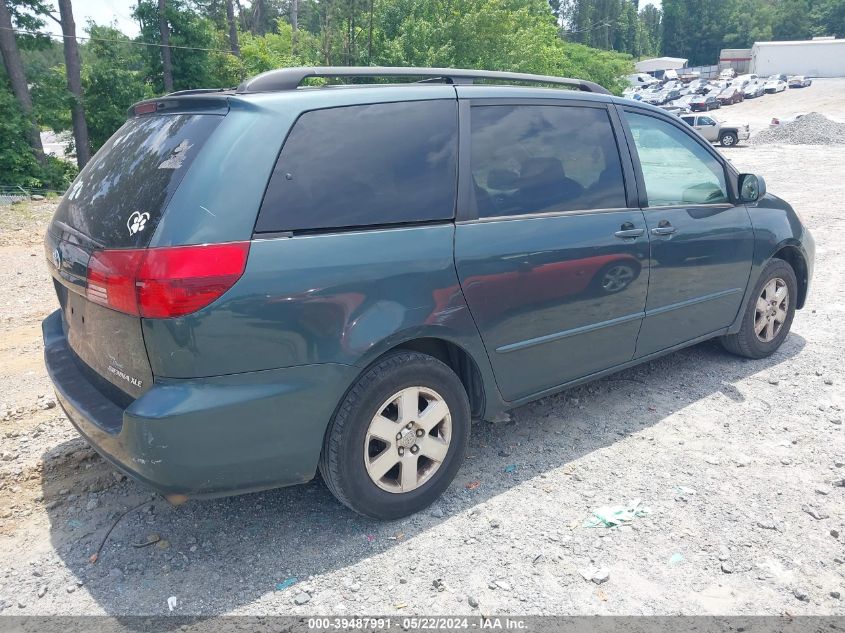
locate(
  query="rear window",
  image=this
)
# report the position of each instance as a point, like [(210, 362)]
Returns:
[(118, 199), (386, 163)]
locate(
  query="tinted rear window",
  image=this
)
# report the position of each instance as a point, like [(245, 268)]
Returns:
[(539, 159), (384, 163), (118, 199)]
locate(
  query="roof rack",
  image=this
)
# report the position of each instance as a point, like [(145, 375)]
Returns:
[(291, 78), (196, 91)]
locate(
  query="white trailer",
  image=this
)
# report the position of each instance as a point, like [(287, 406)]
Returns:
[(813, 58)]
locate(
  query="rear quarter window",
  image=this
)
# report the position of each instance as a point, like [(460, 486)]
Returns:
[(119, 197), (385, 163)]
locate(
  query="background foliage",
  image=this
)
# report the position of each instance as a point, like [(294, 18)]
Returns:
[(590, 39)]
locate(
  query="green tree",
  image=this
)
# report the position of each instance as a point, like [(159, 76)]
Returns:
[(750, 21), (696, 30), (112, 80), (651, 30), (518, 35), (192, 39)]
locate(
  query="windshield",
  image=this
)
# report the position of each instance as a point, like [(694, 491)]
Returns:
[(118, 199)]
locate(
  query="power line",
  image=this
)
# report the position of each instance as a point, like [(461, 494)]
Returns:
[(104, 39), (594, 27)]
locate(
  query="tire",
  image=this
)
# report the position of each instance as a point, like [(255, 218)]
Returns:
[(728, 139), (353, 443), (746, 342)]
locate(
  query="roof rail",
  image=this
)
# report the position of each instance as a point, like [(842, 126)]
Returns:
[(291, 78), (195, 91)]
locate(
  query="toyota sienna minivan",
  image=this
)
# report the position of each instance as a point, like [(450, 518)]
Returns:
[(260, 283)]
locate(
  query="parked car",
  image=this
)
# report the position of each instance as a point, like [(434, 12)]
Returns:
[(641, 79), (664, 96), (683, 102), (715, 132), (730, 95), (704, 102), (727, 73), (695, 84), (747, 77), (675, 109), (774, 85), (260, 283), (777, 121), (799, 81), (753, 90)]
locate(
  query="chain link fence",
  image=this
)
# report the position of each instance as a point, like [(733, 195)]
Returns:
[(9, 195)]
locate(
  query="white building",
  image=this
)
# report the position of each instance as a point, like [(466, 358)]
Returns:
[(660, 63), (814, 58)]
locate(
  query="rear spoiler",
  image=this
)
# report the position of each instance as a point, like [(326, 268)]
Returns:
[(203, 101)]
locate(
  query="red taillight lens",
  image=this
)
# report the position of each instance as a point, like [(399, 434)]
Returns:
[(111, 279), (160, 283)]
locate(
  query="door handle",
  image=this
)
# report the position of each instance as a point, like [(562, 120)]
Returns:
[(628, 233), (663, 228)]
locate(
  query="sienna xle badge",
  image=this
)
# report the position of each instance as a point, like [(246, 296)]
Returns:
[(259, 283)]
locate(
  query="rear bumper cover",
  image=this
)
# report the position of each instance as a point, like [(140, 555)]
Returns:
[(204, 437)]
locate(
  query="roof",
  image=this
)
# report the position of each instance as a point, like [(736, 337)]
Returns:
[(660, 63), (799, 43), (286, 79)]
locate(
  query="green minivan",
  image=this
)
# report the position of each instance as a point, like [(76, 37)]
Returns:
[(260, 283)]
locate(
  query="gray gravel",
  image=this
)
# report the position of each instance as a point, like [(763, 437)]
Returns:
[(729, 455), (810, 129)]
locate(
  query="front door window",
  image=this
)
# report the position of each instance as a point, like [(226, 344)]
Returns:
[(676, 169)]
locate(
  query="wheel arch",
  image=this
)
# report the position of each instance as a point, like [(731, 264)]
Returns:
[(457, 358), (793, 256)]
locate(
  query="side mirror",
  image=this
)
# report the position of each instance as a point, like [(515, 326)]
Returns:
[(751, 187)]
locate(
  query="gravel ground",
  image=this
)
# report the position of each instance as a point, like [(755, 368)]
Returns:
[(739, 462), (810, 129), (825, 95)]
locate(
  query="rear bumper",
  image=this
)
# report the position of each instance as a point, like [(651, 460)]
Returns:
[(207, 436)]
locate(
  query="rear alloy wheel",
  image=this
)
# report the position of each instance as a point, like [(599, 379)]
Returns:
[(728, 139), (398, 438), (408, 439), (768, 314)]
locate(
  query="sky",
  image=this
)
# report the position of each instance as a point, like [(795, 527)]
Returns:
[(102, 12)]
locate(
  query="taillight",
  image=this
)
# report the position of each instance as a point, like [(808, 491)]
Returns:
[(160, 283)]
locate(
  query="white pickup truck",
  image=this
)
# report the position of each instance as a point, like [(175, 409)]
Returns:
[(715, 132)]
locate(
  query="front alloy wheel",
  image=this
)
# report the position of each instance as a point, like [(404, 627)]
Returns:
[(768, 313), (771, 310)]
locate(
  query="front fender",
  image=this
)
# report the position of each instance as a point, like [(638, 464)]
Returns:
[(777, 227)]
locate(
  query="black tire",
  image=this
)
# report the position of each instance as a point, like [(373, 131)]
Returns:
[(745, 342), (728, 139), (342, 463)]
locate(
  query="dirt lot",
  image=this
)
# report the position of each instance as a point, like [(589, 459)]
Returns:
[(825, 96), (737, 461)]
